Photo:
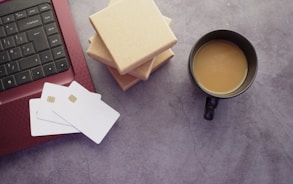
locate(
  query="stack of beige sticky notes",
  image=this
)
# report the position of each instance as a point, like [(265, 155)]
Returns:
[(132, 39)]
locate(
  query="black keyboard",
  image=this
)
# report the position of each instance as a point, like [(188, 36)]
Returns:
[(31, 46)]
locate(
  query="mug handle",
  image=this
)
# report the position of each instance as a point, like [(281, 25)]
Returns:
[(211, 104)]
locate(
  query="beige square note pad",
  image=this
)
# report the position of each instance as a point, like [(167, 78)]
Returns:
[(127, 81), (98, 51), (134, 32)]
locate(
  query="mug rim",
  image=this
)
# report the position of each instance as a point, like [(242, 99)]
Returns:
[(198, 44)]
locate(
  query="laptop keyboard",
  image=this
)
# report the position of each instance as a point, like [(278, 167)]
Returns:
[(31, 46)]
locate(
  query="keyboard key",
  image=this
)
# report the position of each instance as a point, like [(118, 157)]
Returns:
[(1, 23), (12, 67), (4, 57), (47, 17), (62, 65), (49, 69), (51, 29), (20, 39), (32, 11), (1, 86), (8, 42), (46, 56), (27, 49), (23, 77), (15, 53), (8, 18), (11, 28), (55, 40), (2, 71), (29, 23), (20, 15), (39, 38), (9, 82), (2, 32), (37, 73), (58, 52), (44, 7), (29, 62)]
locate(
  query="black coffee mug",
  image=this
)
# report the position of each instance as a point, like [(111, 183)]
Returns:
[(248, 53)]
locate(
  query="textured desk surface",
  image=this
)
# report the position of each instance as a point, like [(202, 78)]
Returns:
[(161, 136)]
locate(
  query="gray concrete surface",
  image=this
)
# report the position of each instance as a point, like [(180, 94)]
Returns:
[(161, 137)]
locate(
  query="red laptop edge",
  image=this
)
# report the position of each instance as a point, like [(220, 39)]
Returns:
[(15, 132)]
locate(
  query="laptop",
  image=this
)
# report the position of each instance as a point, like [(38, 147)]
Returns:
[(38, 44)]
